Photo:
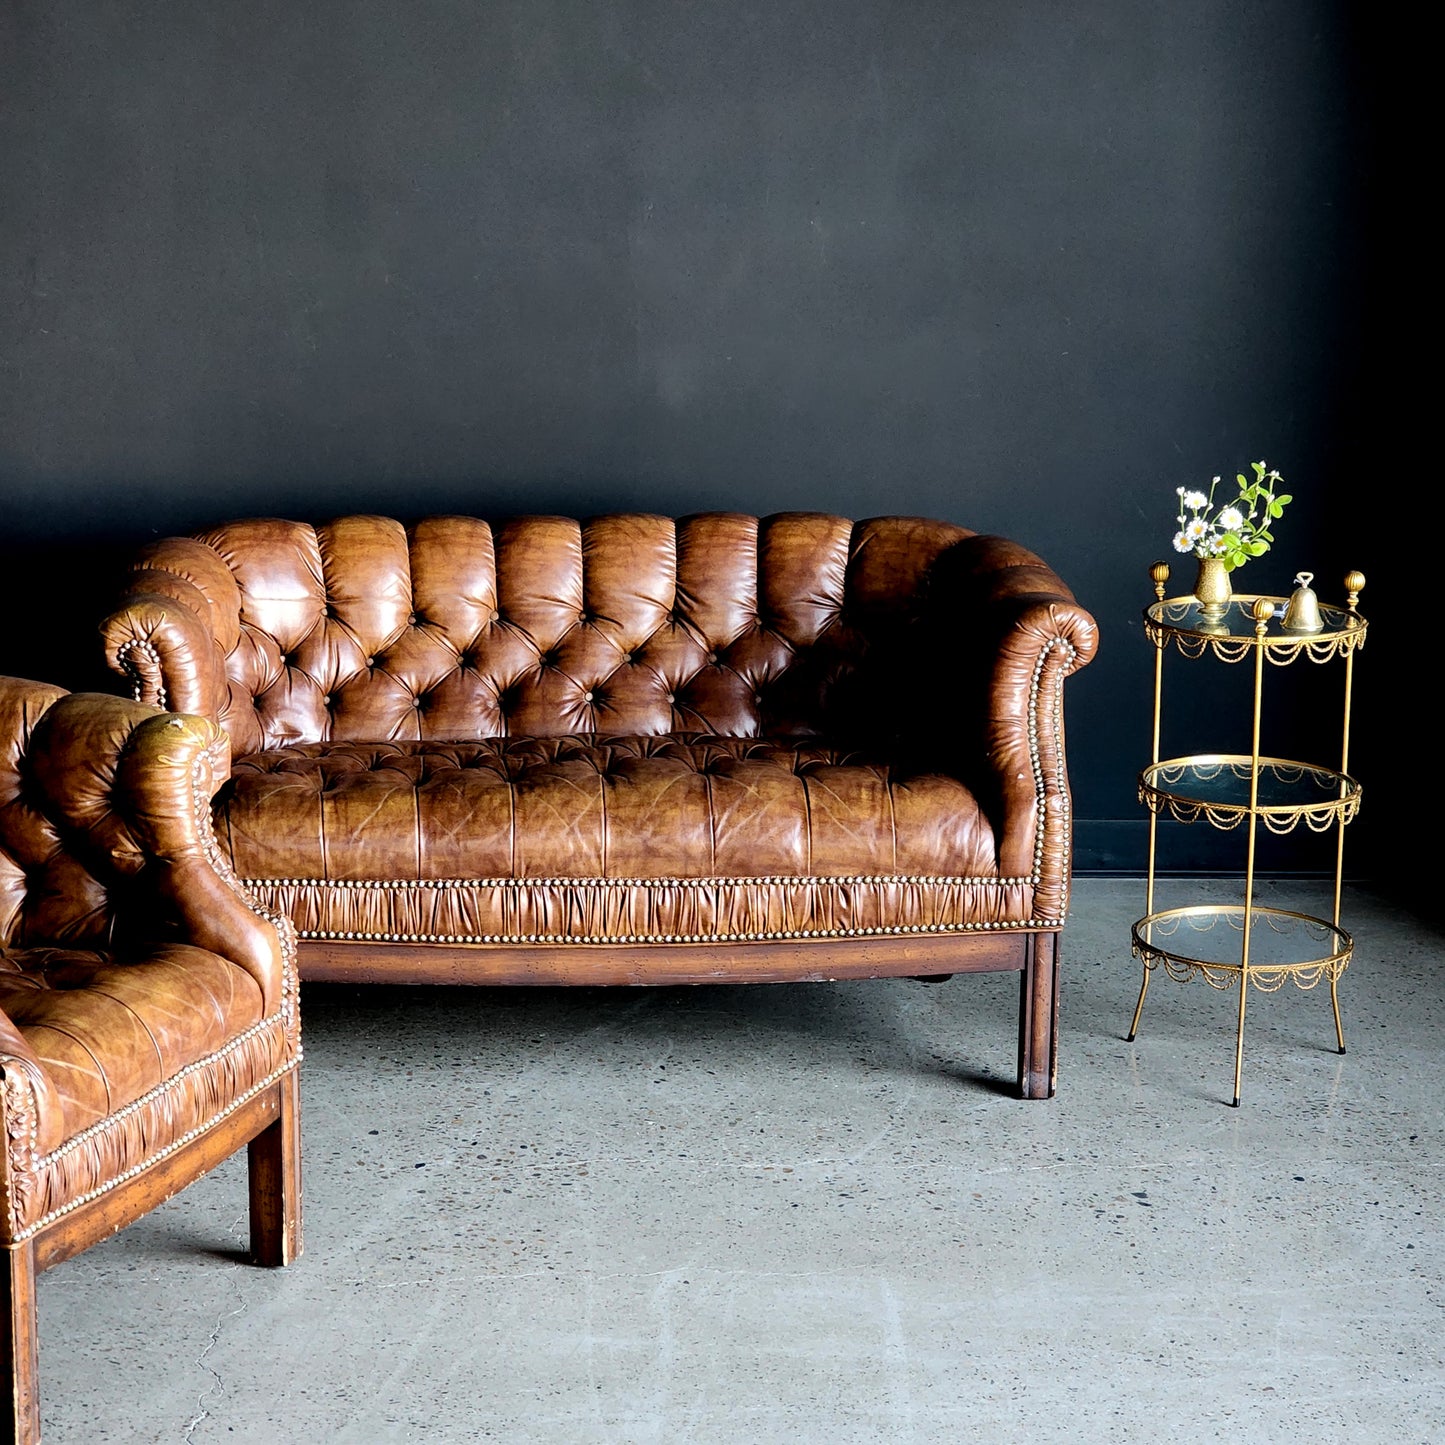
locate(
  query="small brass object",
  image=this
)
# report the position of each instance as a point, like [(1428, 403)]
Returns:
[(1302, 611), (1212, 592)]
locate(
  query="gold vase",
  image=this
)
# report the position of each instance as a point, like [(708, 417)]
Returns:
[(1212, 592)]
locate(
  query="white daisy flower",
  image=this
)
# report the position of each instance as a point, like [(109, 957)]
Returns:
[(1196, 530), (1216, 546), (1195, 500), (1182, 543), (1231, 518)]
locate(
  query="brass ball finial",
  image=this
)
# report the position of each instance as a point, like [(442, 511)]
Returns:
[(1159, 575), (1354, 585), (1263, 610)]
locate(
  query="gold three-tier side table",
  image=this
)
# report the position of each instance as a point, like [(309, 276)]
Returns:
[(1247, 944)]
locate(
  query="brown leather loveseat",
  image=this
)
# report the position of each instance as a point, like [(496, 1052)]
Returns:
[(633, 749)]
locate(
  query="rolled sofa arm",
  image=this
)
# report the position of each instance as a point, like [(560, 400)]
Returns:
[(1019, 627), (178, 617), (130, 789)]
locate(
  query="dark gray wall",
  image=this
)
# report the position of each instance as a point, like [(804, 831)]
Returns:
[(1026, 266)]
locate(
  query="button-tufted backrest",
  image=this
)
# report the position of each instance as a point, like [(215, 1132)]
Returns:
[(65, 850), (454, 628), (40, 882)]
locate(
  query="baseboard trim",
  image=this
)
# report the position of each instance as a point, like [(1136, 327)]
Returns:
[(1119, 848)]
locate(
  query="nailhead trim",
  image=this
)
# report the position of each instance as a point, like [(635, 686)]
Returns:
[(782, 879), (102, 1126), (139, 1168), (286, 930), (125, 656), (886, 931), (1071, 653)]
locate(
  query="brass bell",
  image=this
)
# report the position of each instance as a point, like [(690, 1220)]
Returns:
[(1302, 612)]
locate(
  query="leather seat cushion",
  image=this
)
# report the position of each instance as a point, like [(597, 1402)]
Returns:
[(597, 839), (106, 1032), (596, 807)]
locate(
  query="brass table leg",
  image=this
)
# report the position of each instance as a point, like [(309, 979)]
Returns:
[(1160, 573), (1239, 1037), (1139, 1008)]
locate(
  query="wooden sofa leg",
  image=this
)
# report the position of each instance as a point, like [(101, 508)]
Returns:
[(274, 1158), (17, 1320), (1038, 1017)]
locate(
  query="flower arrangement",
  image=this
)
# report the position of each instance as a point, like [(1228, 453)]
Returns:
[(1238, 530)]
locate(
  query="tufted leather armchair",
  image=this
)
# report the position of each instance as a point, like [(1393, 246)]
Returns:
[(635, 749), (148, 1020)]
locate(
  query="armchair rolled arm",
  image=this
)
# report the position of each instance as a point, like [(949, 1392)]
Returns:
[(177, 619), (1019, 627), (131, 788)]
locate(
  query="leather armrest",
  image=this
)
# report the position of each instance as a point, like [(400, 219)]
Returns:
[(1017, 632), (133, 789), (177, 619)]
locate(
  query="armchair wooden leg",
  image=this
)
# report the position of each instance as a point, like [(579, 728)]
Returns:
[(20, 1422), (274, 1157), (1038, 1018)]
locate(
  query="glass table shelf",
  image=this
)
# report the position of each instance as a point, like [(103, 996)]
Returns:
[(1235, 635), (1216, 787), (1206, 940)]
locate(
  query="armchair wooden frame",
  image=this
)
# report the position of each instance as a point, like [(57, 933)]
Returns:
[(267, 1125)]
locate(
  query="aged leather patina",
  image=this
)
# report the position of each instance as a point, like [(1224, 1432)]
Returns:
[(148, 1004), (635, 748)]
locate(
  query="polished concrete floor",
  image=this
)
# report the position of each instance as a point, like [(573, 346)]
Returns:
[(814, 1213)]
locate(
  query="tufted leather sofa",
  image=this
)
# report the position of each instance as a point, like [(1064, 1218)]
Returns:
[(148, 1007), (635, 749)]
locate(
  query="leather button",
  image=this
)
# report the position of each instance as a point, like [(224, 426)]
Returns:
[(494, 616), (412, 619), (371, 662), (586, 697), (326, 701), (671, 699)]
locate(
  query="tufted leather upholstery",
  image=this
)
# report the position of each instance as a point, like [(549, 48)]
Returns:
[(628, 729), (140, 988), (366, 631), (148, 1019)]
